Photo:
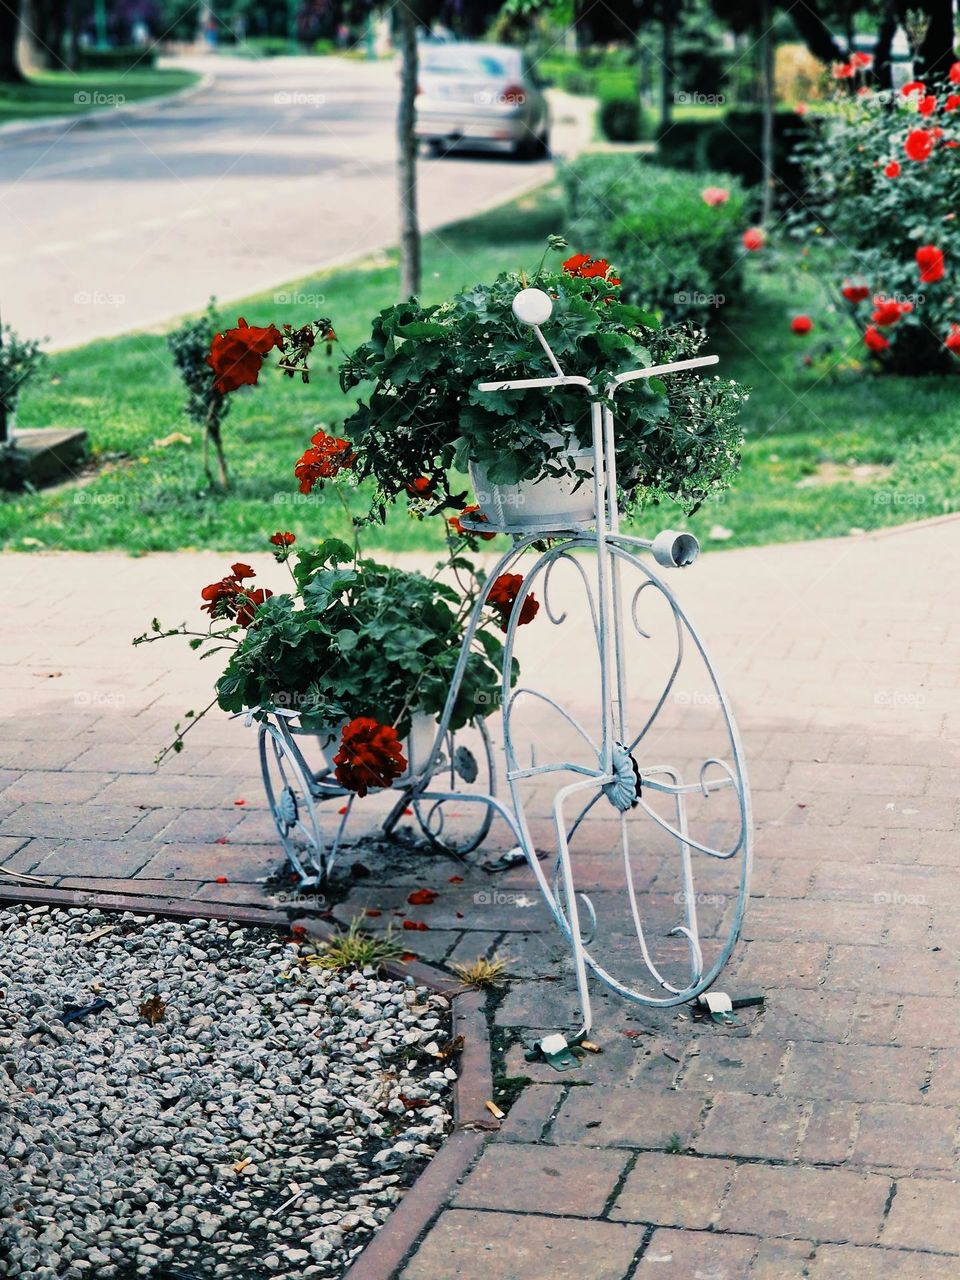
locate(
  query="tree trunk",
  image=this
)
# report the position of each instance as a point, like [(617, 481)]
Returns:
[(935, 55), (10, 72), (814, 31), (407, 155), (768, 90), (666, 73)]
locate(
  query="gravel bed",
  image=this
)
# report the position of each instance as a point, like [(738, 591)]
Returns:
[(263, 1127)]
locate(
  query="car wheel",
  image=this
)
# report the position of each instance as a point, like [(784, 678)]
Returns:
[(543, 145), (527, 148)]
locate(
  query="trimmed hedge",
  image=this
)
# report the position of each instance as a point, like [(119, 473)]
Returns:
[(622, 120), (119, 59), (677, 255), (733, 144)]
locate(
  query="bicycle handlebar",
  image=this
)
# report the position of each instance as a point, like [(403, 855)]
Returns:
[(519, 384)]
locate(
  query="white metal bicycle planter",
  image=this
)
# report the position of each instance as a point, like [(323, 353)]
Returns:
[(613, 780)]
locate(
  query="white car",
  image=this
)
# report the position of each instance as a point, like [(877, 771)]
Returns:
[(481, 95)]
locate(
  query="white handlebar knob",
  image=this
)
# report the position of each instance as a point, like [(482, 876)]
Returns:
[(532, 306)]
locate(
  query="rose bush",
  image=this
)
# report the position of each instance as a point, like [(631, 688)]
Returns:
[(423, 417), (884, 178)]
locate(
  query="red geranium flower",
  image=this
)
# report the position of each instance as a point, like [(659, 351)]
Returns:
[(874, 339), (370, 755), (952, 102), (801, 324), (892, 170), (919, 144), (952, 340), (913, 86), (503, 597), (855, 291), (328, 456), (843, 70), (754, 239), (236, 356), (715, 195), (477, 517), (927, 105), (283, 539), (862, 60), (229, 598), (954, 73), (887, 311), (930, 261), (583, 267)]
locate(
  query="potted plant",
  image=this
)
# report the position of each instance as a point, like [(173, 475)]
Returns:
[(361, 653), (422, 418)]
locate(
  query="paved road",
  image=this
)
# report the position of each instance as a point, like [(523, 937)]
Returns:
[(279, 167)]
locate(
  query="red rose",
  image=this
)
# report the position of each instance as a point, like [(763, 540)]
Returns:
[(503, 597), (422, 487), (370, 755), (887, 311), (919, 144), (954, 73), (913, 86), (801, 324), (754, 239), (862, 60), (952, 340), (236, 356), (843, 70), (854, 291), (229, 598), (715, 195), (953, 101), (927, 105), (283, 539), (327, 457), (874, 339), (477, 517), (930, 261), (892, 170)]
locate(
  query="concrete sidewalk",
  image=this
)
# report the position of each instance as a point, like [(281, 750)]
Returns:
[(818, 1138)]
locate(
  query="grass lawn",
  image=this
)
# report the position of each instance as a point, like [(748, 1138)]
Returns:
[(61, 93), (824, 454)]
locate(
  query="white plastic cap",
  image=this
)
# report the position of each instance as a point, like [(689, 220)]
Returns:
[(675, 550), (532, 306)]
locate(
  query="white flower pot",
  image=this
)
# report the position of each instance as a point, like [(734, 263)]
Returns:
[(554, 502), (417, 745)]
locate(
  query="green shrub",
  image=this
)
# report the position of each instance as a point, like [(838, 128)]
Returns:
[(118, 59), (733, 145), (677, 255), (622, 119)]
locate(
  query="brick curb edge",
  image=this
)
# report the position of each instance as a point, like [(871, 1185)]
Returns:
[(386, 1252)]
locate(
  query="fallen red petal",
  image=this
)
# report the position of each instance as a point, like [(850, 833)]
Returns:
[(423, 896)]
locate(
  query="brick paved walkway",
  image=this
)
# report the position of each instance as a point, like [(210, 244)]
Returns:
[(819, 1138)]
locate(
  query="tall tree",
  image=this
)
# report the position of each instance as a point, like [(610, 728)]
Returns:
[(10, 72), (407, 152)]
